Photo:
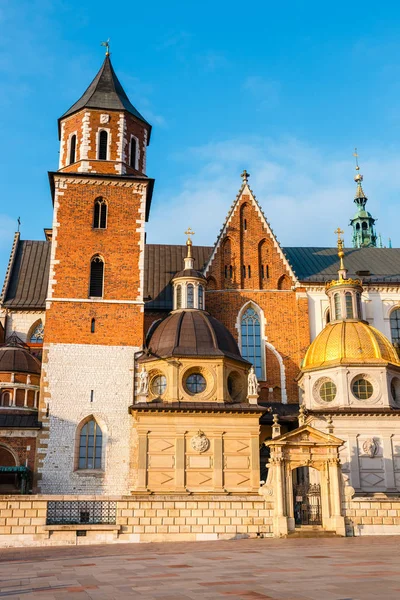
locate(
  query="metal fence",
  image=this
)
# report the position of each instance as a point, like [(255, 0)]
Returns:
[(76, 512)]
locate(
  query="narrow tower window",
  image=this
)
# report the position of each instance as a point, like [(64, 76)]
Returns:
[(349, 306), (251, 339), (93, 326), (267, 271), (245, 224), (72, 149), (244, 271), (249, 271), (226, 271), (96, 277), (190, 296), (230, 272), (103, 143), (338, 306), (201, 297), (179, 296), (133, 151), (100, 214), (262, 271)]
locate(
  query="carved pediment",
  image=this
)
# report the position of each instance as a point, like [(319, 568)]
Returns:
[(305, 436)]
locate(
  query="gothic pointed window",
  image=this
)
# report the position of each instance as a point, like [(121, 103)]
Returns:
[(37, 334), (72, 149), (96, 277), (251, 339), (132, 153), (103, 145), (90, 445), (179, 296), (100, 214), (190, 296)]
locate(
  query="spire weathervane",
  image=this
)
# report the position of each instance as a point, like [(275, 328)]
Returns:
[(358, 178), (245, 176), (107, 46), (19, 223)]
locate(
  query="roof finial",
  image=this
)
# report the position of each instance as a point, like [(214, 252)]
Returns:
[(189, 242), (19, 223), (107, 46), (342, 270), (358, 178), (245, 176)]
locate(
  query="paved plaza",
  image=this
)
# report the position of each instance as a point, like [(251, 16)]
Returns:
[(294, 569)]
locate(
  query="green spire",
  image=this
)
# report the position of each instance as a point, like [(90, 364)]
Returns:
[(363, 223)]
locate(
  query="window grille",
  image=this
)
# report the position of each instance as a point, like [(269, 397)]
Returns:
[(96, 277), (190, 296), (90, 446), (196, 383), (251, 340), (159, 385), (37, 334), (72, 149), (100, 214), (103, 144), (75, 512), (201, 297), (133, 151)]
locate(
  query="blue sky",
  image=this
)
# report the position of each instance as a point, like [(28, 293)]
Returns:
[(285, 90)]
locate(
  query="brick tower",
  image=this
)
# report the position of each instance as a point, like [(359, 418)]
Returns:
[(94, 306)]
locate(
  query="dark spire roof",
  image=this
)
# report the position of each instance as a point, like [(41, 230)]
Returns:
[(105, 92)]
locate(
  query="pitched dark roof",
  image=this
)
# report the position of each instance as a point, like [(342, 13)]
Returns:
[(161, 262), (29, 421), (375, 265), (105, 92), (29, 277)]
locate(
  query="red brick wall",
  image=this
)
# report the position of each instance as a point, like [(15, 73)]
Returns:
[(19, 446), (133, 127), (247, 243), (119, 246)]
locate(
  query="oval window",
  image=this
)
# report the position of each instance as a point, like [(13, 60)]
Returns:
[(327, 391), (159, 385), (196, 383), (362, 389)]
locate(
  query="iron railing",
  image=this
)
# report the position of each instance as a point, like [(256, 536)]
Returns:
[(77, 512)]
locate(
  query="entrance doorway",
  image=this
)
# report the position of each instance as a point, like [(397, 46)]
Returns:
[(307, 496)]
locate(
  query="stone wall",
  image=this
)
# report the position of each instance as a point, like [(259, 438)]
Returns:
[(139, 519), (374, 515)]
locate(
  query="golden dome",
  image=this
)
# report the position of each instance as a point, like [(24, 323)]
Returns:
[(349, 342)]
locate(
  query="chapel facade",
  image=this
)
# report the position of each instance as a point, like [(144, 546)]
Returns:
[(244, 369)]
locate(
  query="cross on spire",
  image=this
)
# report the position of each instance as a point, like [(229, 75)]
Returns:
[(245, 176), (189, 233), (107, 46)]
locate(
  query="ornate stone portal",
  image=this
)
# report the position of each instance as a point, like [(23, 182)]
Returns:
[(304, 447)]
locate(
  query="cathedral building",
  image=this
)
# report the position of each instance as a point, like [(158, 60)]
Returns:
[(130, 371)]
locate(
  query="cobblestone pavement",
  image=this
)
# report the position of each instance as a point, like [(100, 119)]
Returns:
[(297, 569)]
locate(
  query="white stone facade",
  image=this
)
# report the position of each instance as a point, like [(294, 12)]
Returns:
[(22, 322), (84, 381)]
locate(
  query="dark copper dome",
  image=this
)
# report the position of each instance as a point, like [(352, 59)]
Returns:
[(193, 333), (16, 358)]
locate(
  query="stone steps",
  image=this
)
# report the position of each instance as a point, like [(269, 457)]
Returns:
[(311, 532)]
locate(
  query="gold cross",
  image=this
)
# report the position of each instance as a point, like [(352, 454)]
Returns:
[(189, 232), (338, 232), (356, 156), (245, 176)]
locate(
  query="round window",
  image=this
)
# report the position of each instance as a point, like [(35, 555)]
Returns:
[(159, 385), (327, 391), (362, 389), (196, 383)]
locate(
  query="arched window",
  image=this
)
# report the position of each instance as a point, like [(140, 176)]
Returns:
[(72, 149), (190, 296), (37, 334), (90, 446), (251, 339), (338, 306), (100, 214), (5, 399), (364, 225), (395, 328), (349, 306), (96, 277), (328, 316), (103, 145), (132, 153), (179, 296), (201, 297)]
